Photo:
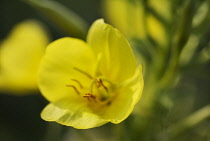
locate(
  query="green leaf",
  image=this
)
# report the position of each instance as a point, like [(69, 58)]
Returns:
[(70, 22)]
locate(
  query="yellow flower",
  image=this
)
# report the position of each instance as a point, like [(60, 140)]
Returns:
[(20, 56), (90, 84)]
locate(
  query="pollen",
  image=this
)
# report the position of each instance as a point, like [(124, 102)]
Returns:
[(100, 83), (98, 89), (89, 96)]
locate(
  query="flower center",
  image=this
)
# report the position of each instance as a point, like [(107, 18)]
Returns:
[(100, 90)]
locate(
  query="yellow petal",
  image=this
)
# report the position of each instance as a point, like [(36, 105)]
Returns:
[(128, 95), (78, 113), (117, 59), (60, 66), (104, 82), (20, 56), (72, 112)]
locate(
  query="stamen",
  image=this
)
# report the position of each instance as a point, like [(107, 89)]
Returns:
[(77, 83), (74, 89), (83, 72), (89, 96), (100, 82)]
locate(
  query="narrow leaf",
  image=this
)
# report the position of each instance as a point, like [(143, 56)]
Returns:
[(70, 22)]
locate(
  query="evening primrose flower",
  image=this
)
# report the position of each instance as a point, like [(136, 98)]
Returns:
[(90, 84), (20, 56)]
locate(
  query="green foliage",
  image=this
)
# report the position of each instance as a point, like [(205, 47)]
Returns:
[(171, 38)]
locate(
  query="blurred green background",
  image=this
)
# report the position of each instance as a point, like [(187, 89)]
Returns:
[(20, 115)]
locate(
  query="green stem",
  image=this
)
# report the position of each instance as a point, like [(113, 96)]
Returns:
[(190, 121), (182, 35)]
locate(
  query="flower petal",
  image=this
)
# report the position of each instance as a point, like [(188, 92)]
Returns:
[(78, 113), (71, 113), (128, 96), (117, 59), (60, 66), (21, 54)]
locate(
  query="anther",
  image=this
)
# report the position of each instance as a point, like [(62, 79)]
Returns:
[(74, 89), (89, 96), (77, 82), (100, 82)]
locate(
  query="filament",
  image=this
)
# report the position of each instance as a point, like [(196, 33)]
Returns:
[(77, 83), (74, 88)]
